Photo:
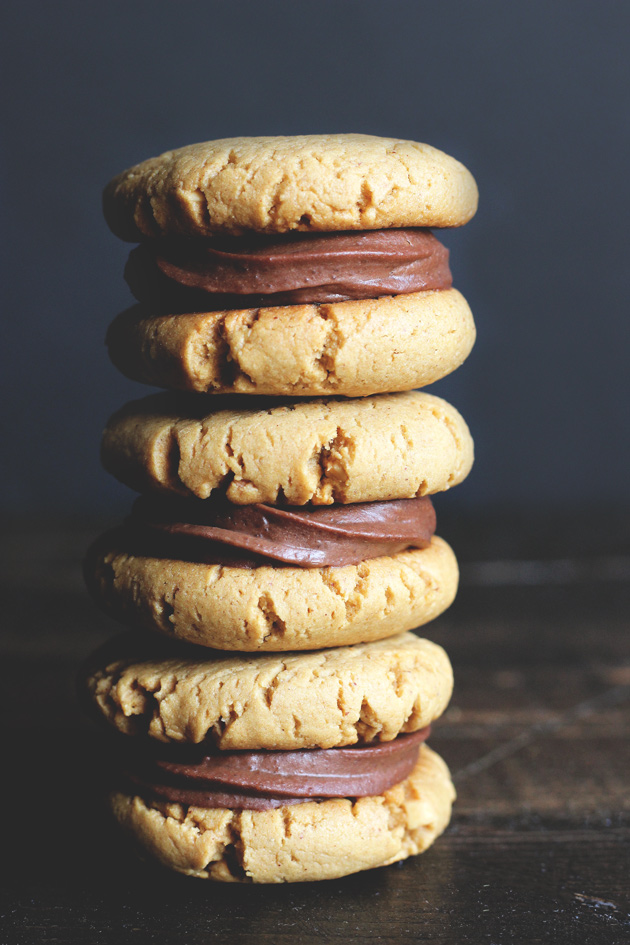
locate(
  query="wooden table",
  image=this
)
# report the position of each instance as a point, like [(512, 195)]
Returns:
[(536, 736)]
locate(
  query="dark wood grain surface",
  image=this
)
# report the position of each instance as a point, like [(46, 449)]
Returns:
[(536, 736)]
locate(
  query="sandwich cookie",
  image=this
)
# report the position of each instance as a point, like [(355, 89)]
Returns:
[(215, 571), (286, 768), (331, 285), (312, 840)]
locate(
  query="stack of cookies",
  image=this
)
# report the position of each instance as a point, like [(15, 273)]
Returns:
[(271, 705)]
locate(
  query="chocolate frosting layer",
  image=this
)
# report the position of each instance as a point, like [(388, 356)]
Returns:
[(258, 780), (322, 536), (287, 270)]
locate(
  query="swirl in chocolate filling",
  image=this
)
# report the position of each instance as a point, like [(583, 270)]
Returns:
[(215, 531), (259, 780), (291, 269)]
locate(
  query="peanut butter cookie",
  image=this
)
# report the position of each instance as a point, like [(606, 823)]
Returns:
[(298, 843), (390, 446), (354, 348), (278, 184), (271, 608), (147, 687)]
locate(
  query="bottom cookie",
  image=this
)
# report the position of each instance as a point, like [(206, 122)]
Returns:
[(297, 843), (271, 608)]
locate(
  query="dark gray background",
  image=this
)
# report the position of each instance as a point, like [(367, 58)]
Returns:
[(532, 97)]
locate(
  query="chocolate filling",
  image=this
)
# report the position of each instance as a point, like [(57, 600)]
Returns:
[(259, 780), (297, 268), (214, 531)]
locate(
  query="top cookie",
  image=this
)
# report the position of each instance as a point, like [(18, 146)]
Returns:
[(281, 701), (324, 450), (273, 185)]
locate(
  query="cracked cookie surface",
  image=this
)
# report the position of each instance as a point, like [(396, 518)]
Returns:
[(394, 343), (389, 446), (272, 608), (298, 843), (278, 184), (150, 688)]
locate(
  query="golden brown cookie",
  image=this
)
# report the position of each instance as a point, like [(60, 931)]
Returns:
[(395, 343), (272, 608), (273, 185), (297, 843), (323, 699), (390, 446)]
